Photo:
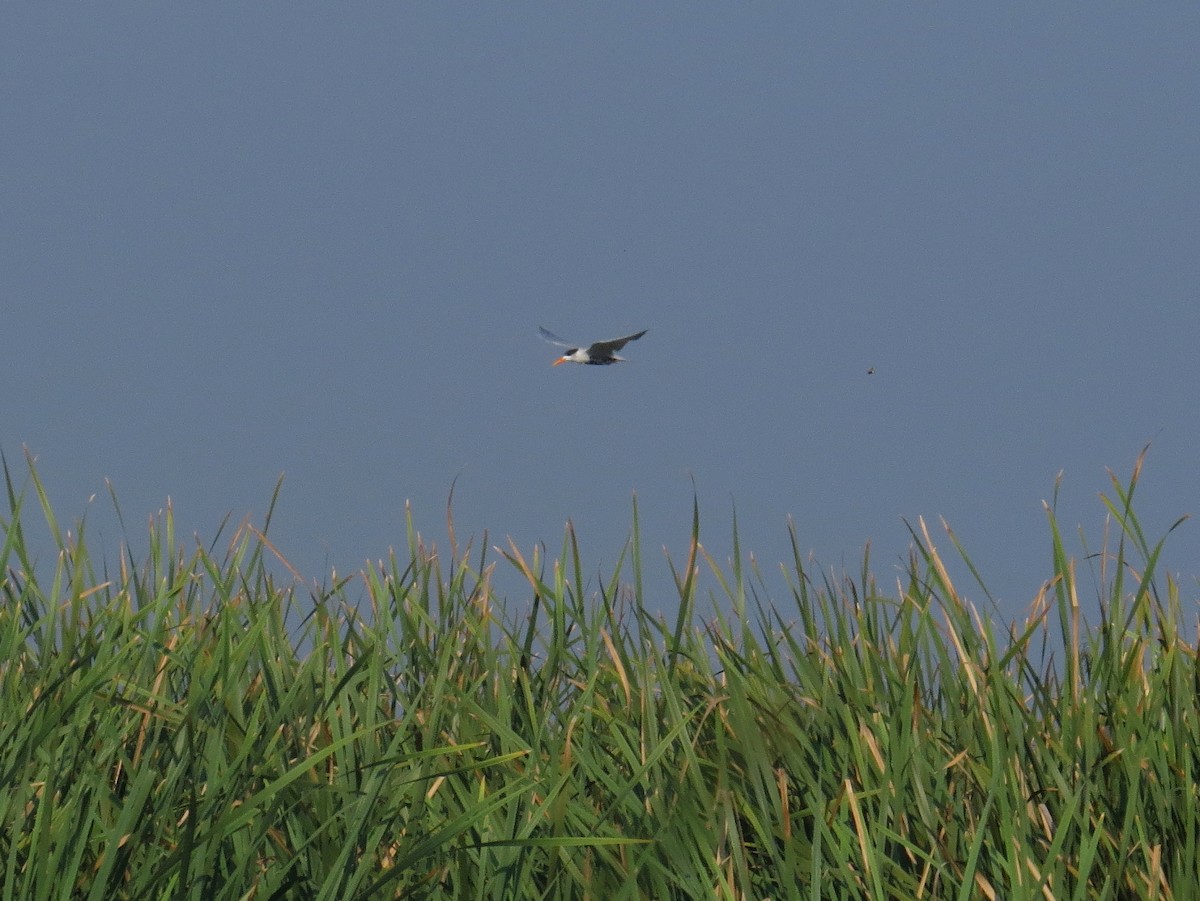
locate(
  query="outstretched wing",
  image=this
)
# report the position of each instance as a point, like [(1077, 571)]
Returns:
[(548, 335), (605, 348)]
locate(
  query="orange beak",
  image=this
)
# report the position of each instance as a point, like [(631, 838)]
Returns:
[(559, 360)]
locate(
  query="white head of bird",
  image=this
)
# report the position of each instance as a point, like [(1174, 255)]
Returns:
[(578, 355)]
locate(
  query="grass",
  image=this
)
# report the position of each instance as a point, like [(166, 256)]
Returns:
[(188, 727)]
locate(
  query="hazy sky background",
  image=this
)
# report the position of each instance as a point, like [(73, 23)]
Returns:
[(239, 240)]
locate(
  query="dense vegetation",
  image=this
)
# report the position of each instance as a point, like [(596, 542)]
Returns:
[(186, 726)]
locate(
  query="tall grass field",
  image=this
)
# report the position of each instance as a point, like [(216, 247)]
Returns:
[(201, 724)]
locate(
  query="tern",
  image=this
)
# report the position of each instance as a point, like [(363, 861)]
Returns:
[(599, 354)]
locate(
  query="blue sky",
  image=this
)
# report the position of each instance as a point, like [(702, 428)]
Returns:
[(238, 241)]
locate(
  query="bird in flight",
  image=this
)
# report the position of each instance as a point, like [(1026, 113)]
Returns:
[(599, 354)]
